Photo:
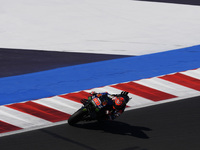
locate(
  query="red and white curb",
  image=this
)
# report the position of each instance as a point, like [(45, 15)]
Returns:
[(46, 112)]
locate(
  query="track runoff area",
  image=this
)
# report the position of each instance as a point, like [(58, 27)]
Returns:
[(150, 79)]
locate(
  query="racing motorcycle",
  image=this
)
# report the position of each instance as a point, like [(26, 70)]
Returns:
[(94, 108)]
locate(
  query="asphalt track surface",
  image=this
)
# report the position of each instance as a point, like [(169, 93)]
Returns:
[(170, 126), (167, 126), (16, 61)]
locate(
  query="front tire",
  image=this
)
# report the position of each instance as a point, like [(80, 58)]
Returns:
[(76, 117)]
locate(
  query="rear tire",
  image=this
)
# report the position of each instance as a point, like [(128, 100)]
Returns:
[(76, 117)]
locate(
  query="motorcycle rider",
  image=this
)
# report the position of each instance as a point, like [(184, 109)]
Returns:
[(113, 104)]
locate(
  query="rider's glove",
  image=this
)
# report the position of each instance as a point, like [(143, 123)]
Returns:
[(124, 93), (84, 101)]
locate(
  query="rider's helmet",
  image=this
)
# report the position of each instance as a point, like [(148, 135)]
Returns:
[(119, 103)]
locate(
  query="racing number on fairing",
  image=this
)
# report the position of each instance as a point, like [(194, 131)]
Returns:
[(97, 102)]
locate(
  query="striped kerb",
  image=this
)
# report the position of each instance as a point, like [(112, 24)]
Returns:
[(40, 111), (143, 91), (184, 80), (6, 127)]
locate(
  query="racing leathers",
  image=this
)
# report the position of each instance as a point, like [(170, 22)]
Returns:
[(110, 110)]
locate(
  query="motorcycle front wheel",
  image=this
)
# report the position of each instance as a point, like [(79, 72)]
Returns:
[(76, 117)]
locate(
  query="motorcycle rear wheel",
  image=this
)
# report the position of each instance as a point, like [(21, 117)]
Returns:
[(76, 117)]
